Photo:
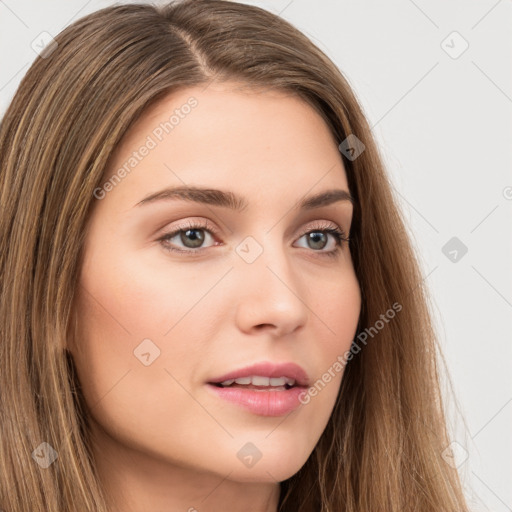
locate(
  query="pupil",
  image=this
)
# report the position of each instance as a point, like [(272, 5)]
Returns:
[(195, 239), (314, 238)]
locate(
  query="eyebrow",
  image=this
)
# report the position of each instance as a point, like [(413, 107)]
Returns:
[(228, 199)]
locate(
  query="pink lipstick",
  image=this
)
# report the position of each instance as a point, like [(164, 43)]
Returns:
[(265, 388)]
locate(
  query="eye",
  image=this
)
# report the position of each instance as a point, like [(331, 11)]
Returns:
[(194, 234), (318, 238)]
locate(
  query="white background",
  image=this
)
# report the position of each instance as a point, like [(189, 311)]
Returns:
[(444, 126)]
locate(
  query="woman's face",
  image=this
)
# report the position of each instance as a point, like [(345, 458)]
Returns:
[(162, 313)]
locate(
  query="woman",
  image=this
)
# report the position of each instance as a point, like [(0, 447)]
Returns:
[(209, 299)]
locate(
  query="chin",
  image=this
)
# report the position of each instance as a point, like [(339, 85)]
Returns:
[(265, 473), (274, 463)]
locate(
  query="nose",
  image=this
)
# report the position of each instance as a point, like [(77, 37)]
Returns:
[(270, 295)]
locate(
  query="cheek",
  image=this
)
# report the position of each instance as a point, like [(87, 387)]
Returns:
[(134, 351), (335, 310), (335, 314), (135, 296), (141, 320)]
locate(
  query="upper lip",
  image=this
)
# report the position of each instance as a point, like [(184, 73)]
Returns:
[(268, 369)]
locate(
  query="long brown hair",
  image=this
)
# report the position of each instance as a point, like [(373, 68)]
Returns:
[(382, 448)]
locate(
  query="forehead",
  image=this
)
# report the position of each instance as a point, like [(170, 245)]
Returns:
[(229, 134)]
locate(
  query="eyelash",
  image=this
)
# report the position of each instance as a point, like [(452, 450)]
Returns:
[(336, 232)]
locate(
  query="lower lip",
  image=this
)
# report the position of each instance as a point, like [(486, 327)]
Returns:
[(264, 403)]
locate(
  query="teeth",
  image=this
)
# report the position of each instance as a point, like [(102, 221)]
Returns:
[(257, 380), (243, 380), (260, 381), (281, 381)]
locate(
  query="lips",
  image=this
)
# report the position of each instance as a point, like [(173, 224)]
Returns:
[(263, 402), (265, 374), (264, 389)]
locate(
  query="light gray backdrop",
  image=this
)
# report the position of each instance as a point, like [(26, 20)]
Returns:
[(435, 81)]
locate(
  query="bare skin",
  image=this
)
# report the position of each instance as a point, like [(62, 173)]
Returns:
[(162, 440)]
